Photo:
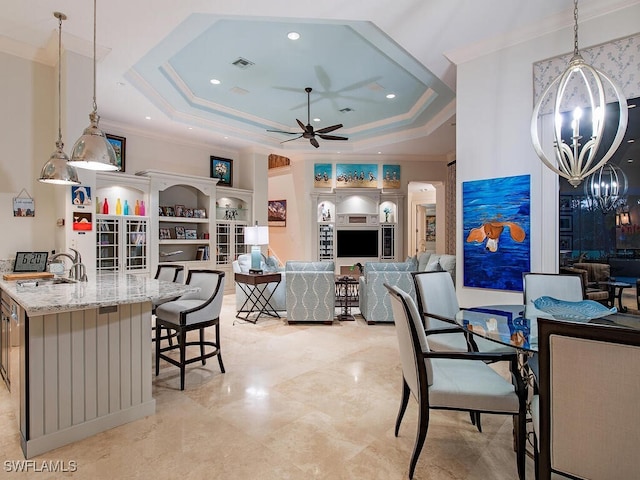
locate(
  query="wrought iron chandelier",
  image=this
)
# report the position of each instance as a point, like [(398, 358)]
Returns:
[(580, 158)]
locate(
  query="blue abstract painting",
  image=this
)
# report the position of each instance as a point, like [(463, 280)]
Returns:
[(496, 226)]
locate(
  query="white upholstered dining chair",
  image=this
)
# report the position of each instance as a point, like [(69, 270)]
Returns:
[(451, 380)]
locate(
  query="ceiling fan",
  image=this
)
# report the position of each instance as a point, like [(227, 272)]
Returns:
[(307, 130)]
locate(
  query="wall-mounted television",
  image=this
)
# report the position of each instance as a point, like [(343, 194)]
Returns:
[(357, 243)]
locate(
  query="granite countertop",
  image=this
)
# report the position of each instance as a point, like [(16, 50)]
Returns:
[(105, 290)]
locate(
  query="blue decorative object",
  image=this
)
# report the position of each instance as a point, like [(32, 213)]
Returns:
[(564, 310)]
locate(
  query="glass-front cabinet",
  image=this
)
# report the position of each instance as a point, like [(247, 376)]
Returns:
[(122, 223), (233, 214), (388, 251), (122, 244), (326, 241)]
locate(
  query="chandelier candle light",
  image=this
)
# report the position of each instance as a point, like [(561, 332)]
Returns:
[(577, 161), (256, 236), (58, 170), (92, 150)]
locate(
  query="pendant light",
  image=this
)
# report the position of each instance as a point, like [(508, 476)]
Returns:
[(92, 150), (58, 170), (577, 161), (608, 187)]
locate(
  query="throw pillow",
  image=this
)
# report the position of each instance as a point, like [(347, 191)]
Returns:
[(434, 267), (433, 264), (423, 260)]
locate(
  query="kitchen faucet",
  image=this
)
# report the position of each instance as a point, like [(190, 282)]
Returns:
[(77, 271)]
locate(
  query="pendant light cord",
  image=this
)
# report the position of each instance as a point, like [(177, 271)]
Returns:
[(575, 28), (95, 103), (60, 16)]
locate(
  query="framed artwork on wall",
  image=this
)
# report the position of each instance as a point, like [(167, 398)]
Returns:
[(430, 235), (356, 175), (322, 175), (496, 229), (390, 176), (119, 144), (566, 223), (277, 213), (80, 195), (82, 221), (566, 242), (222, 169)]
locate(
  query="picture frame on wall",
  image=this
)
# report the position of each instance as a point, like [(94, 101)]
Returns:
[(390, 176), (566, 223), (222, 169), (277, 213), (119, 144)]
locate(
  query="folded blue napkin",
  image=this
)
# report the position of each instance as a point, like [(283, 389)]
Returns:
[(565, 310)]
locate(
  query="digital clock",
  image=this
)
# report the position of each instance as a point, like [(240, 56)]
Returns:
[(30, 262)]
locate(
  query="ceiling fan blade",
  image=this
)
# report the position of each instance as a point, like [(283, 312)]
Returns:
[(302, 125), (332, 137), (314, 142), (329, 129), (282, 131), (291, 139)]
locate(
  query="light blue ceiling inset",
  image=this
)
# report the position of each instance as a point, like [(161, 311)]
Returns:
[(349, 65)]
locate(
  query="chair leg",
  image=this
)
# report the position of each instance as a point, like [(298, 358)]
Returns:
[(403, 404), (521, 444), (158, 329), (219, 350), (182, 339), (423, 424), (478, 424), (204, 360)]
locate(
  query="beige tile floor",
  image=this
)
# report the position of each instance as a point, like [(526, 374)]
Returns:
[(297, 402)]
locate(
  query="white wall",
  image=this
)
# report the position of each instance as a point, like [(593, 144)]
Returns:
[(28, 132), (494, 105)]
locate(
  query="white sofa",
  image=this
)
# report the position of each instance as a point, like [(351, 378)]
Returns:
[(278, 300)]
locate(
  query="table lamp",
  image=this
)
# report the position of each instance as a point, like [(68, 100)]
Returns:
[(256, 236)]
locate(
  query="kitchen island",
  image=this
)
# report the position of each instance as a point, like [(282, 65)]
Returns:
[(84, 356)]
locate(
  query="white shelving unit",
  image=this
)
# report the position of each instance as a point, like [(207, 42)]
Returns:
[(353, 209), (182, 219), (122, 241)]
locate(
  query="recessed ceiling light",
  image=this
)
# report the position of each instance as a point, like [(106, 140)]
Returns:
[(316, 119), (391, 95), (293, 35), (215, 81), (147, 117), (631, 140), (379, 153), (190, 128), (630, 160)]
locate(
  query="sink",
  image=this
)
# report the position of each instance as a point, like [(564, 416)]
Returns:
[(45, 281)]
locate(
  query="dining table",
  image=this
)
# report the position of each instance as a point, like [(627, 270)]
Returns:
[(517, 325)]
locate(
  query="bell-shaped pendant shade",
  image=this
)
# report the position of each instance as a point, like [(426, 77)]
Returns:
[(92, 150), (57, 170)]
